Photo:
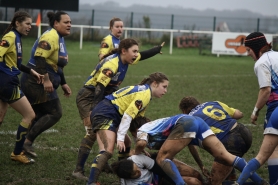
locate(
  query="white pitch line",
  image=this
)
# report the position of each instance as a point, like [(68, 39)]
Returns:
[(175, 76), (9, 132)]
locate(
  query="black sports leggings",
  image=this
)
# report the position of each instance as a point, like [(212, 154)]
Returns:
[(47, 115)]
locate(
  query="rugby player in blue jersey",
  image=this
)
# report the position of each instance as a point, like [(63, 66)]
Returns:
[(171, 134), (222, 120)]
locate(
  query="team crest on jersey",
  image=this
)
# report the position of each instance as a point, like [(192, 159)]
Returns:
[(108, 73), (19, 47), (116, 45), (44, 45), (139, 104), (62, 49), (4, 43), (104, 45)]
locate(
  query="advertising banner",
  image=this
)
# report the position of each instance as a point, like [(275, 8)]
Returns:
[(231, 43)]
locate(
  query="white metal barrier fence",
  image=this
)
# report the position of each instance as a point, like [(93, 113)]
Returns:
[(126, 29)]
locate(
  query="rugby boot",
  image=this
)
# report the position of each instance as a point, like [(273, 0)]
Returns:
[(29, 149), (80, 175), (22, 158)]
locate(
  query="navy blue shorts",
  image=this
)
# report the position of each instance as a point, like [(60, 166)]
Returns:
[(238, 140), (9, 88)]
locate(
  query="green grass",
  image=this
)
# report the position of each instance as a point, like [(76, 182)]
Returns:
[(229, 79)]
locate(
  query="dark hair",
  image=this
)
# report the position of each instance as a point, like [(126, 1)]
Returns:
[(154, 77), (124, 44), (137, 123), (188, 103), (52, 17), (19, 16), (112, 21), (123, 168)]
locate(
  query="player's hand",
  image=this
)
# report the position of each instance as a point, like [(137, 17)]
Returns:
[(254, 119), (48, 87), (67, 90), (121, 146), (162, 46), (39, 77)]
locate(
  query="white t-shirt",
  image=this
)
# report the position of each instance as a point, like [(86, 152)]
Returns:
[(144, 163), (266, 69)]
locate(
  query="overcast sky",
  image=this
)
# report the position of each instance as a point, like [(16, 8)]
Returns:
[(265, 7)]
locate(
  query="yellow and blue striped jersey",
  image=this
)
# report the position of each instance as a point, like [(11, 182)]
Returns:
[(52, 47), (131, 100), (108, 43), (110, 72), (11, 53)]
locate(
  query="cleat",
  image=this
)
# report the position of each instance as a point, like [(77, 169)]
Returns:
[(29, 149), (22, 158), (80, 175)]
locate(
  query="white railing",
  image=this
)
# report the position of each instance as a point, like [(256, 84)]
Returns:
[(171, 31)]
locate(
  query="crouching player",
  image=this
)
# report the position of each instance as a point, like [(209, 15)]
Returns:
[(171, 134)]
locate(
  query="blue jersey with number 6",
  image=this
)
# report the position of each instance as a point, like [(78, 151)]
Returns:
[(217, 115)]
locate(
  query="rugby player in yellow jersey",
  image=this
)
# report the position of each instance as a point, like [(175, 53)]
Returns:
[(112, 116), (112, 40), (49, 56), (10, 68), (105, 79)]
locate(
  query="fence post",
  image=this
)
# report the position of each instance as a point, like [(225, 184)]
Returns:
[(93, 18), (172, 21), (81, 36), (214, 23), (131, 23), (171, 42), (258, 24)]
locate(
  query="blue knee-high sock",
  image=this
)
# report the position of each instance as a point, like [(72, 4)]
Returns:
[(172, 171), (97, 166), (248, 171), (20, 137), (272, 171)]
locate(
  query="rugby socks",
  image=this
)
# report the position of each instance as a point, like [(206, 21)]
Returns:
[(240, 164), (124, 154), (172, 171), (83, 152), (249, 171), (272, 171), (20, 137), (97, 166)]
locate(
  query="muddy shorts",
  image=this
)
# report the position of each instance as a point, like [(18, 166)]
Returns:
[(84, 101), (238, 140)]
